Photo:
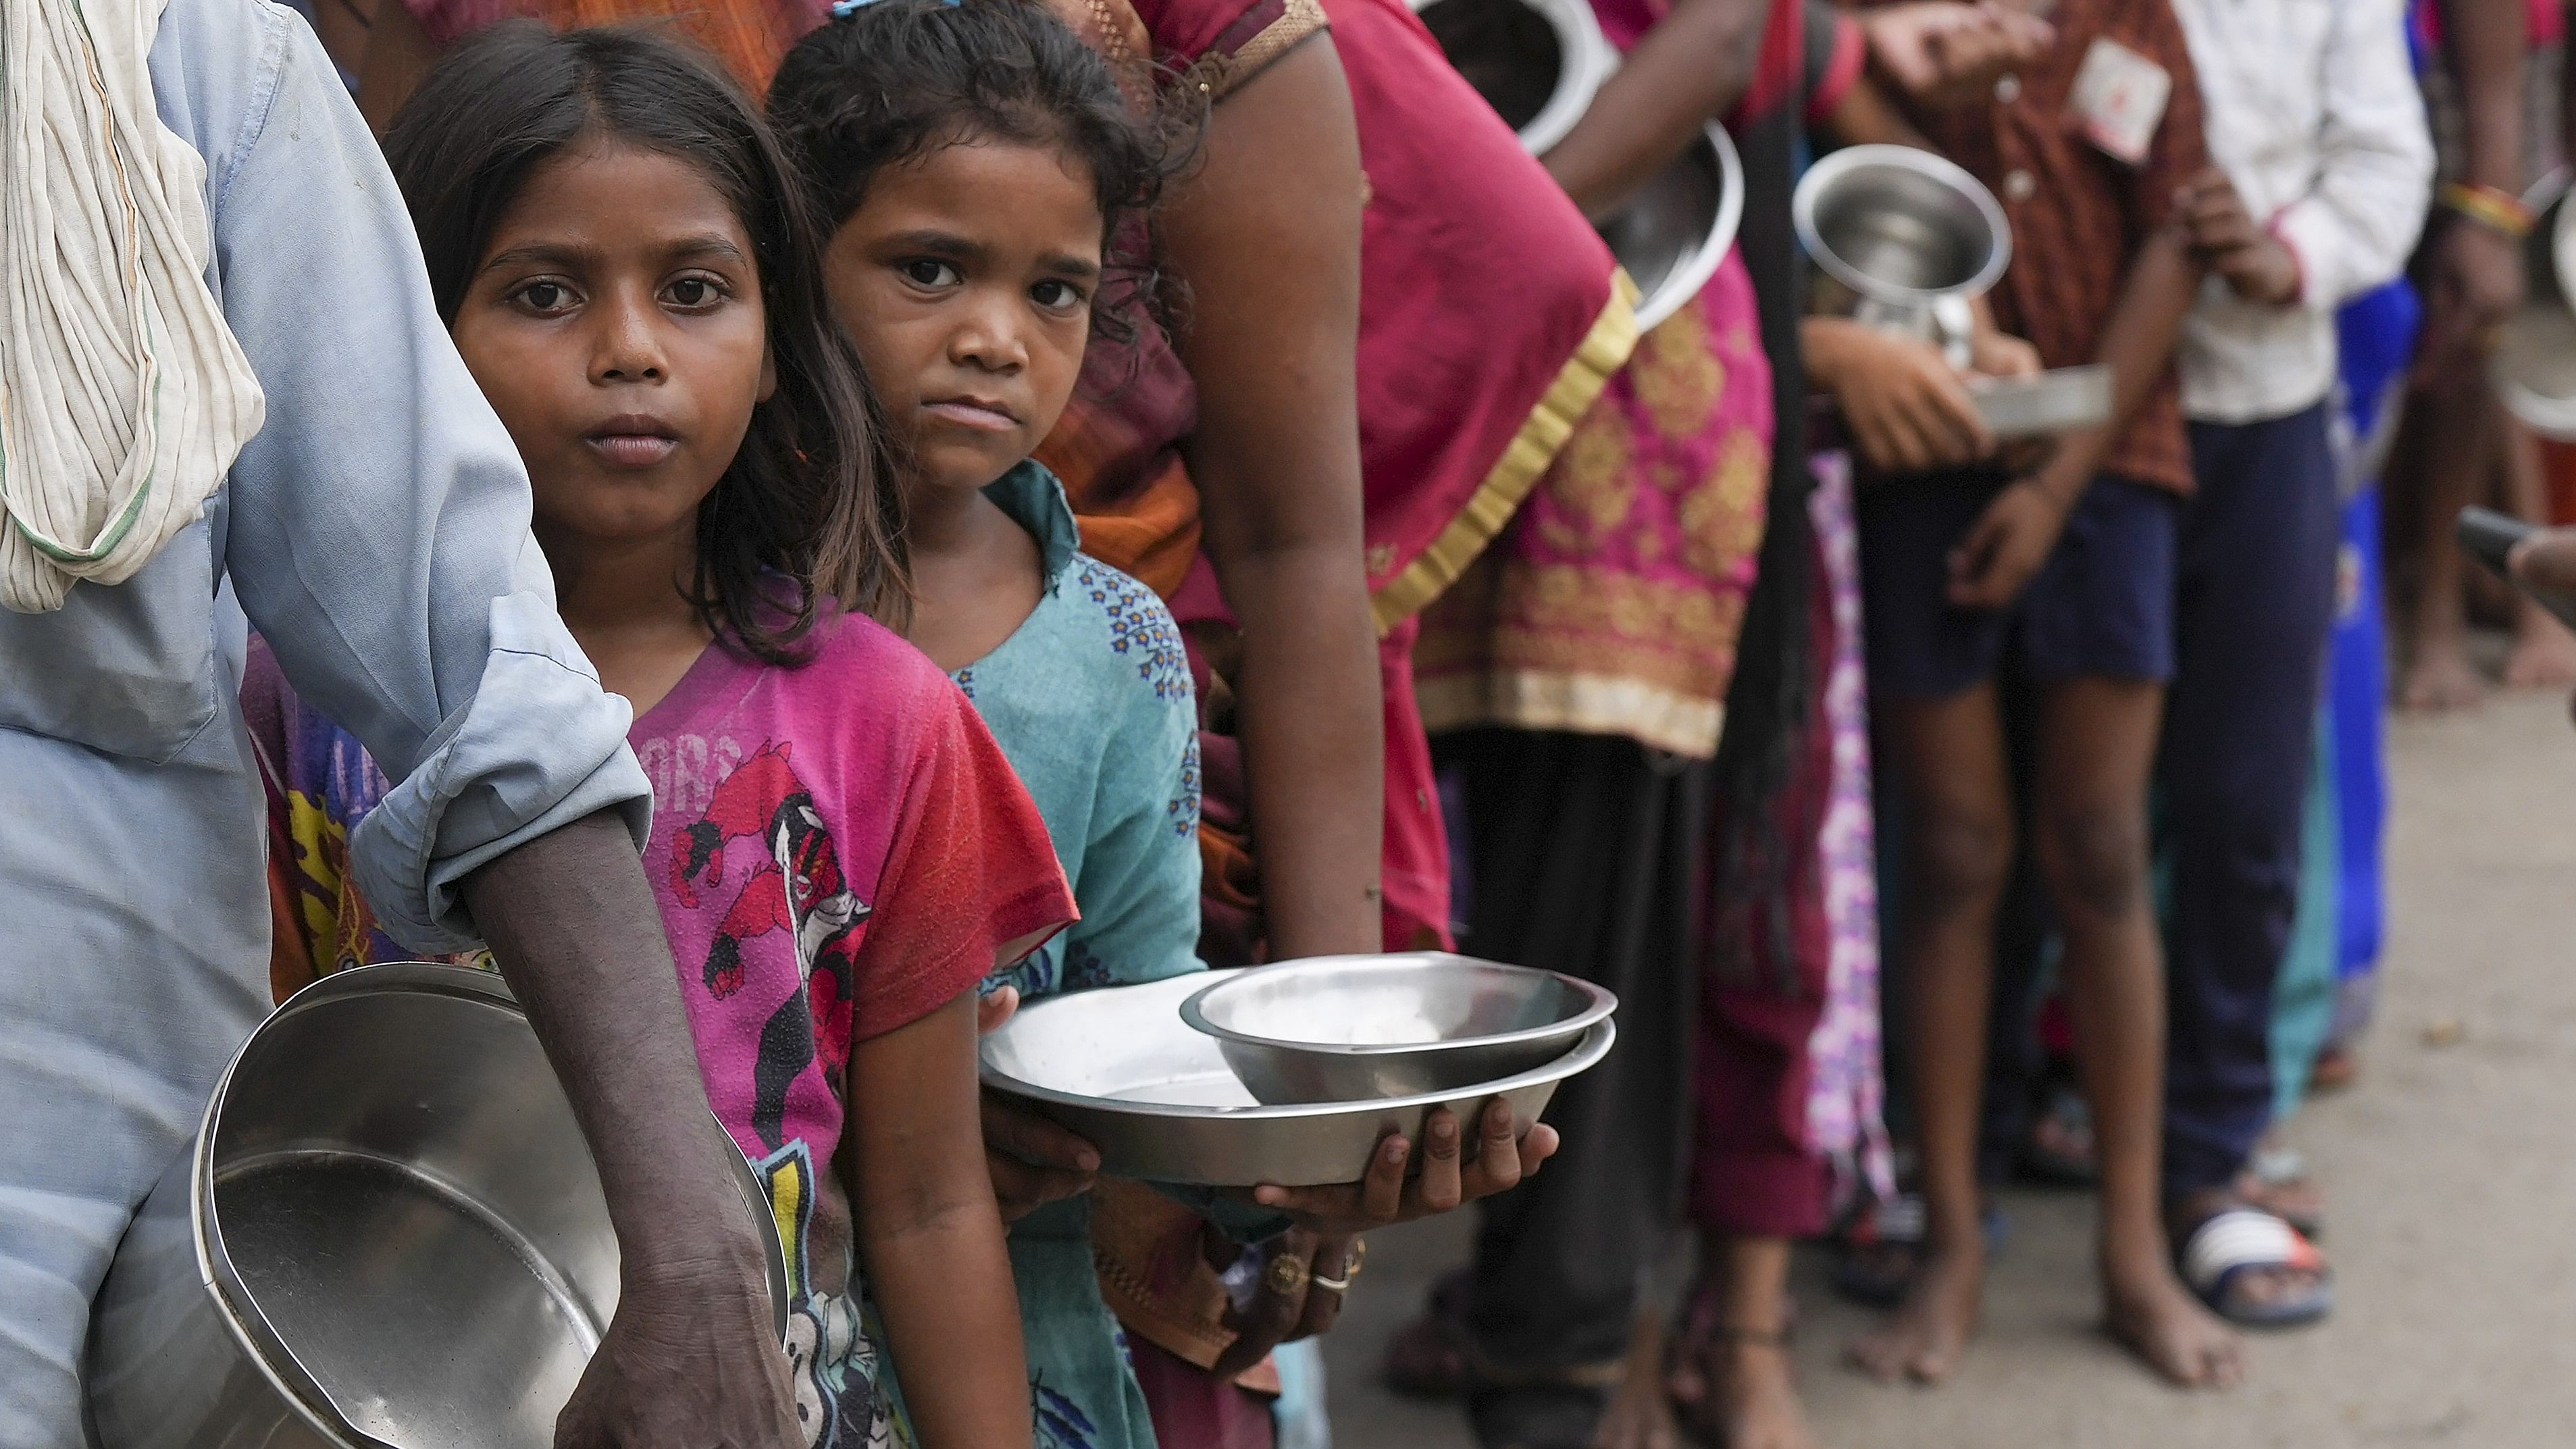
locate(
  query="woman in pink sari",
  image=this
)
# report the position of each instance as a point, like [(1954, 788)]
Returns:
[(1641, 811), (1348, 418)]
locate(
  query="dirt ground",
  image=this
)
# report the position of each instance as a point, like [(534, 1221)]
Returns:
[(2449, 1166)]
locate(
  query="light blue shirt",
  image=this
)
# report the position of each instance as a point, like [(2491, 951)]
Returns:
[(376, 532)]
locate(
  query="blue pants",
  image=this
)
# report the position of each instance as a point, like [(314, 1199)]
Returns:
[(2254, 607)]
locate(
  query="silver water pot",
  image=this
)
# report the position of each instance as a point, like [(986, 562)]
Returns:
[(1672, 235), (1905, 240), (388, 1231)]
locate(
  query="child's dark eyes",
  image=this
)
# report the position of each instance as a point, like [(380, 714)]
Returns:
[(929, 272), (544, 297), (1055, 296), (695, 292)]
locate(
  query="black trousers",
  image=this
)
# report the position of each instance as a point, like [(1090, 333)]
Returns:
[(1585, 855), (2254, 613)]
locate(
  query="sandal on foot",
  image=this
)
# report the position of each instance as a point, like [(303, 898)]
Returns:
[(2275, 1180), (1878, 1251), (2225, 1246), (1700, 1330)]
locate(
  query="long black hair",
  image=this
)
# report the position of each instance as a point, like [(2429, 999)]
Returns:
[(895, 79), (811, 495)]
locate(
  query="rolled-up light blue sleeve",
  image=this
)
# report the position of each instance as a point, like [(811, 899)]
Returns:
[(377, 528)]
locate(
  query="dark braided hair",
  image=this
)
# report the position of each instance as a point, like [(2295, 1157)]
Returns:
[(811, 500), (896, 79)]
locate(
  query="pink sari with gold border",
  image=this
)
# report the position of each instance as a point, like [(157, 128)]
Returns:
[(1612, 604)]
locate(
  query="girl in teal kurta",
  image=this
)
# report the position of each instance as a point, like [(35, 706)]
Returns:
[(973, 161), (1090, 699)]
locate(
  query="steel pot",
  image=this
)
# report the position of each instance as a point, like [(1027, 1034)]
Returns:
[(1905, 239), (387, 1232), (1368, 1028), (1536, 62), (1674, 232)]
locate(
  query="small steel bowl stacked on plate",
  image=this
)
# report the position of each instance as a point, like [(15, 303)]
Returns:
[(1131, 1070), (1359, 1028)]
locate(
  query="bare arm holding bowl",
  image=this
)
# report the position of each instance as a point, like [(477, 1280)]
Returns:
[(1267, 236)]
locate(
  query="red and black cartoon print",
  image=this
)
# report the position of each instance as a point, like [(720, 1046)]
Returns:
[(797, 888)]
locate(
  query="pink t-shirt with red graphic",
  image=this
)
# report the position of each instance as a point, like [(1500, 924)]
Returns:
[(839, 849)]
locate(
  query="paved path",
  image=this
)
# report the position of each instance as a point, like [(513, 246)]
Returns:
[(2452, 1169)]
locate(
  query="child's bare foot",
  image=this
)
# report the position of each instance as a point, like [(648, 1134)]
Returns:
[(1930, 1329), (1640, 1416), (1739, 1394), (2440, 679), (2151, 1312), (2543, 657), (1640, 1412)]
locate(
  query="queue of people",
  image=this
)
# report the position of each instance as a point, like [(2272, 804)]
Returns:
[(788, 530)]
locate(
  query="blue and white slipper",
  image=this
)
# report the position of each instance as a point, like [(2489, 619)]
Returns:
[(2226, 1246)]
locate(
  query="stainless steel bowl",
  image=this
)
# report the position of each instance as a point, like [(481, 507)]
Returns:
[(1901, 226), (2534, 363), (1536, 62), (2059, 400), (388, 1232), (1674, 232), (1361, 1028), (1119, 1068)]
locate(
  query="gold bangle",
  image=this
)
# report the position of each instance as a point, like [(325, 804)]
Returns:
[(2495, 209)]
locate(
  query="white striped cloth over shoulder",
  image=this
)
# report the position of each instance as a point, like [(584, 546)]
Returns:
[(124, 397)]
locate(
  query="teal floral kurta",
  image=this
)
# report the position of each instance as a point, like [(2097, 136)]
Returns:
[(1090, 699)]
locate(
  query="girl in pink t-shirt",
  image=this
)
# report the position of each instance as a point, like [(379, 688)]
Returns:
[(840, 851)]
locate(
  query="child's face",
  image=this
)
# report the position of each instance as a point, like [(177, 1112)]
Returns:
[(966, 280), (616, 326)]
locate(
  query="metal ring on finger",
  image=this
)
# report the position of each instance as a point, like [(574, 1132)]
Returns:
[(1351, 1260)]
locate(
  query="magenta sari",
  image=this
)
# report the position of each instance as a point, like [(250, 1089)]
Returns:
[(1612, 603), (1490, 319)]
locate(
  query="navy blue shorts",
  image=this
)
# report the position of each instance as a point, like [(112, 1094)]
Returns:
[(2102, 606)]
